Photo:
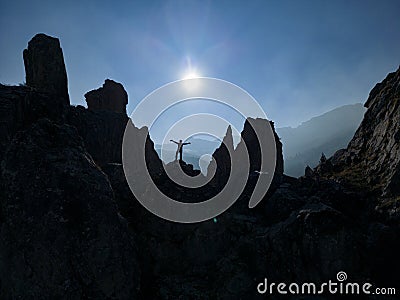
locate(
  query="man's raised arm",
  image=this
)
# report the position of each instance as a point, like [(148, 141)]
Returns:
[(174, 142)]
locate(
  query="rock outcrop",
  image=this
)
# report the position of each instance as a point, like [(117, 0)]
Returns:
[(102, 125), (45, 94), (111, 96), (249, 137), (20, 106), (222, 157), (14, 112), (45, 68)]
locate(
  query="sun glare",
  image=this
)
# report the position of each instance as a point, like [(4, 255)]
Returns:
[(191, 75)]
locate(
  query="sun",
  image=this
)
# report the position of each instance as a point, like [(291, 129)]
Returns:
[(190, 71), (190, 75)]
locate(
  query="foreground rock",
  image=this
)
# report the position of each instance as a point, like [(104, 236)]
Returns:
[(307, 231), (61, 236)]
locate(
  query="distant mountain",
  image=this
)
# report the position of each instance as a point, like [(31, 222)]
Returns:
[(326, 133)]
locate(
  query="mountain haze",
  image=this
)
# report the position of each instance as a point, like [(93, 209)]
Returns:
[(326, 133)]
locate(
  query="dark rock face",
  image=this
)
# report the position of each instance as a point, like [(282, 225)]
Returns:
[(20, 106), (102, 132), (282, 203), (111, 96), (319, 242), (45, 68), (61, 236), (250, 138), (13, 113)]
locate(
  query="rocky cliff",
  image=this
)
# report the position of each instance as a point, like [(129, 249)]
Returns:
[(371, 161)]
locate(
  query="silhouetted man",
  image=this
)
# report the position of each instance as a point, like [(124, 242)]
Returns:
[(179, 150)]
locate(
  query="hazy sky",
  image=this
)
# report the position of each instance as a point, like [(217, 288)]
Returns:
[(297, 58)]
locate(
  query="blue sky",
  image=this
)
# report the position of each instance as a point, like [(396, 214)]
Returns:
[(297, 58)]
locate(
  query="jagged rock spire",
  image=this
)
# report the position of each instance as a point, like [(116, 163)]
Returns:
[(45, 68)]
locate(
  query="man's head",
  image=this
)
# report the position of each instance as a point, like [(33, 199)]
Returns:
[(180, 141)]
